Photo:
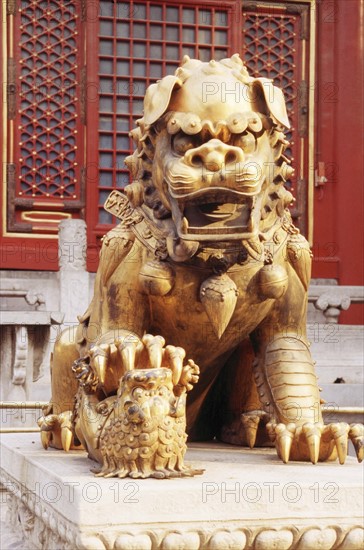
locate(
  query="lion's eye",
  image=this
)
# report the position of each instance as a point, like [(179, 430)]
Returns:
[(184, 142), (246, 142)]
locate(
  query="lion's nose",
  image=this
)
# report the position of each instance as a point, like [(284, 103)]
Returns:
[(213, 155)]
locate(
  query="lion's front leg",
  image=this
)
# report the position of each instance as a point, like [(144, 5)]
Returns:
[(285, 377), (287, 385)]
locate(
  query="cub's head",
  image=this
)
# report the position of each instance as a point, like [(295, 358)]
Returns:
[(209, 162)]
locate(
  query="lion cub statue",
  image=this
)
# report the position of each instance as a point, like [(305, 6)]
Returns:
[(207, 258)]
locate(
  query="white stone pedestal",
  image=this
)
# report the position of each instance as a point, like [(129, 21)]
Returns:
[(244, 500)]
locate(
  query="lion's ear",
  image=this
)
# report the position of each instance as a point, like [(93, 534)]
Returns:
[(269, 99), (158, 96)]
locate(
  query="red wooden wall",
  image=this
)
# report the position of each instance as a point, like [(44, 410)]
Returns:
[(338, 206)]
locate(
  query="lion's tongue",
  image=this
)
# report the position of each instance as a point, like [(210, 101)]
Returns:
[(217, 215), (218, 211)]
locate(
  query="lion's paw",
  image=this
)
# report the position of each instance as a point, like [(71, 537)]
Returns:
[(56, 429), (316, 441)]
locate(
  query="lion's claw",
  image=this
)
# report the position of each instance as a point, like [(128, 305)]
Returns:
[(250, 421), (56, 428), (338, 432), (151, 353), (356, 434), (45, 437), (129, 350), (154, 345), (100, 356), (175, 357), (282, 435)]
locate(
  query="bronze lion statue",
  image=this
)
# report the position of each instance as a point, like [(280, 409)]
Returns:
[(206, 257)]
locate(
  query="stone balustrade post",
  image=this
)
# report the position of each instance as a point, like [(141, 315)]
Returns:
[(73, 277), (331, 303)]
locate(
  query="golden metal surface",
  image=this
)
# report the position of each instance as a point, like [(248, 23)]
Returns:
[(19, 430), (206, 256), (24, 405)]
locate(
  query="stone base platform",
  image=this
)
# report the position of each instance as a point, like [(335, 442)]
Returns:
[(244, 500)]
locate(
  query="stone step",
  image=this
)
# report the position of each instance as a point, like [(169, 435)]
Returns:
[(243, 499), (338, 351), (343, 395), (336, 344), (328, 373)]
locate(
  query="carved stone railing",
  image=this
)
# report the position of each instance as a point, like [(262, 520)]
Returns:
[(331, 299), (27, 330), (25, 338)]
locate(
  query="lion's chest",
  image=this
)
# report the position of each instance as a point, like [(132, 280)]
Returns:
[(182, 317)]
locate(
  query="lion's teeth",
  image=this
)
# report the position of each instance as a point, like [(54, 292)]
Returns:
[(184, 225)]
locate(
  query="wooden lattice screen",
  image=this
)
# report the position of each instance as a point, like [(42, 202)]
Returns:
[(77, 72), (45, 177), (276, 45), (136, 43)]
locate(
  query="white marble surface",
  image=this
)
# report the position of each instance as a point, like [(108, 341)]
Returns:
[(244, 499), (10, 537)]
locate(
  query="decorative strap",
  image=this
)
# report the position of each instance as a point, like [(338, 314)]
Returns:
[(119, 206)]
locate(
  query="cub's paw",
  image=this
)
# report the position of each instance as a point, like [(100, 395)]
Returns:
[(190, 375)]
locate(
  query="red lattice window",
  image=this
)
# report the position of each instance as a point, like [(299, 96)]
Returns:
[(137, 43), (275, 45), (45, 172)]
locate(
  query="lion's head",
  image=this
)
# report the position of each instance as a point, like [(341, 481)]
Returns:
[(209, 163)]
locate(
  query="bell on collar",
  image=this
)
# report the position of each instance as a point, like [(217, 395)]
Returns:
[(272, 281), (218, 295)]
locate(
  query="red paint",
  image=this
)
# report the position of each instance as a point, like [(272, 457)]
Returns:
[(338, 207), (338, 220)]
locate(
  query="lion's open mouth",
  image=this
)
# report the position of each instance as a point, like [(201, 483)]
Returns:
[(214, 215), (213, 218)]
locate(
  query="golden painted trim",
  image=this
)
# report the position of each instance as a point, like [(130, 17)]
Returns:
[(19, 430), (16, 235), (11, 35), (28, 216), (4, 19), (279, 4), (34, 235), (311, 122), (23, 404), (45, 203), (303, 77), (11, 141)]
